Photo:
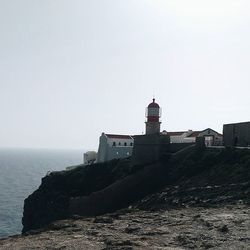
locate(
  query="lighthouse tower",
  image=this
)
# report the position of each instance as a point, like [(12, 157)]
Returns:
[(153, 114)]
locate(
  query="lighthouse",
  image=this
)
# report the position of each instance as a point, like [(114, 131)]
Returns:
[(152, 146), (153, 114)]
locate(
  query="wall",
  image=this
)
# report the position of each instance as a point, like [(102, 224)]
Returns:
[(90, 157), (237, 134), (120, 141), (103, 149), (177, 138), (149, 148), (118, 152), (180, 138), (175, 147), (153, 127)]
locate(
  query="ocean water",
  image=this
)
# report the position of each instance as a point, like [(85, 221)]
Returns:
[(21, 171)]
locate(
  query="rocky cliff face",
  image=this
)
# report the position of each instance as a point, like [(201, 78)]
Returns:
[(51, 201), (192, 177)]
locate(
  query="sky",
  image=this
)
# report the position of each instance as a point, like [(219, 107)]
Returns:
[(72, 69)]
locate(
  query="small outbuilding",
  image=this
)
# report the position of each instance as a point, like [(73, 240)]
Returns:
[(90, 157)]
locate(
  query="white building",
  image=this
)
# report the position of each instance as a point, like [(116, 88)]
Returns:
[(179, 136), (90, 157), (212, 138), (113, 146)]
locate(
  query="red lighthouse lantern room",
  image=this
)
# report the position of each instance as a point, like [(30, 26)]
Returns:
[(153, 114)]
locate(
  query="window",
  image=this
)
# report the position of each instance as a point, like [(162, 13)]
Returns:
[(131, 144), (119, 143), (114, 144), (125, 144)]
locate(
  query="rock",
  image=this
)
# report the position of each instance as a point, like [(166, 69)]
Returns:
[(197, 216), (103, 220), (32, 232), (59, 226), (130, 230), (113, 244), (223, 229)]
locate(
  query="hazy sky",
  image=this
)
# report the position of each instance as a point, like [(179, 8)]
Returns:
[(71, 69)]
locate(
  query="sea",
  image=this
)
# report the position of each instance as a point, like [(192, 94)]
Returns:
[(21, 171)]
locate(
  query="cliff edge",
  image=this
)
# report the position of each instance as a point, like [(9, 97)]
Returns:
[(191, 177)]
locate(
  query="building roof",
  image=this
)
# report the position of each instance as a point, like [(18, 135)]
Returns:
[(236, 123), (119, 136), (176, 133), (194, 134), (153, 104), (190, 133)]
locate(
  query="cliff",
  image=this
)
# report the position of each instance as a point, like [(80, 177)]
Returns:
[(191, 177), (193, 199), (50, 201)]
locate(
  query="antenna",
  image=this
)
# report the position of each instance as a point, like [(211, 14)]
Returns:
[(153, 97)]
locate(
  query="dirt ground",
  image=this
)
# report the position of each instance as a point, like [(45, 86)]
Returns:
[(225, 227)]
